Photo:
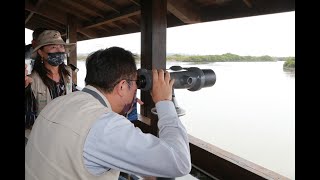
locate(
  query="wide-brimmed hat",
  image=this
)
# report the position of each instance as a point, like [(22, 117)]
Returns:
[(48, 37)]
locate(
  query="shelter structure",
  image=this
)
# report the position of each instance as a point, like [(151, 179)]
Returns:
[(79, 20)]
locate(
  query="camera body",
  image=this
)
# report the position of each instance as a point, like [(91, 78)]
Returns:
[(191, 78)]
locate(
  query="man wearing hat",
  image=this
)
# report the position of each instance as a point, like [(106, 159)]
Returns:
[(50, 77), (29, 47)]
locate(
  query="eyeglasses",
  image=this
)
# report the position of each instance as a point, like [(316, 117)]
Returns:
[(129, 84)]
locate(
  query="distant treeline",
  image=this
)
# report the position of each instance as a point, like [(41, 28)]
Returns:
[(228, 57), (290, 63)]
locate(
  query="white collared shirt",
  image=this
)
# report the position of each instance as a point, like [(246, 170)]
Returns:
[(114, 142)]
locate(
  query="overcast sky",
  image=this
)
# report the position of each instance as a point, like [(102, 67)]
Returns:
[(272, 35)]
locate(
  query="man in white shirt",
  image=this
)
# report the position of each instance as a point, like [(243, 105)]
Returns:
[(85, 135)]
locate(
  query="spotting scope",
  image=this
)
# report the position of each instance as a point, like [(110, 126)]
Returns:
[(191, 78)]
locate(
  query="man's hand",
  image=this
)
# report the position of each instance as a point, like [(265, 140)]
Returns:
[(27, 79), (162, 86)]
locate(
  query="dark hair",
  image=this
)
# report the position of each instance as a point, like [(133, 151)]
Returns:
[(43, 71), (106, 68), (37, 32)]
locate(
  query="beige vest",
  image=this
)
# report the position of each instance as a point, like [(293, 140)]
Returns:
[(41, 91), (55, 146)]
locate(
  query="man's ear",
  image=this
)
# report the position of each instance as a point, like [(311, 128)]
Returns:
[(119, 88)]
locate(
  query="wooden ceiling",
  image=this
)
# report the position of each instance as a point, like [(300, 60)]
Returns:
[(104, 18)]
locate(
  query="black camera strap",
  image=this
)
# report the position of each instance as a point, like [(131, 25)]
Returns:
[(96, 95)]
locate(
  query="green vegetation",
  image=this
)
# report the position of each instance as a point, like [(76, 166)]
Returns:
[(290, 63), (228, 57)]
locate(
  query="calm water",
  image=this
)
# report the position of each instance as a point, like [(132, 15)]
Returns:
[(250, 112)]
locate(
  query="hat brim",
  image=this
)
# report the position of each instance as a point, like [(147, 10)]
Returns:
[(67, 46)]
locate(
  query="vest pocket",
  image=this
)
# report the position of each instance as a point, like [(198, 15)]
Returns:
[(42, 101)]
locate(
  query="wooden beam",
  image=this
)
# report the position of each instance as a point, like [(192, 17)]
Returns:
[(134, 21), (44, 24), (239, 9), (248, 3), (111, 5), (69, 10), (173, 21), (59, 16), (48, 22), (28, 18), (128, 30), (31, 13), (87, 6), (72, 38), (49, 12), (153, 48), (184, 10), (116, 25), (135, 2), (105, 28), (131, 12)]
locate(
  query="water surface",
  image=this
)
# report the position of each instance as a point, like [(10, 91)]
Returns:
[(250, 111)]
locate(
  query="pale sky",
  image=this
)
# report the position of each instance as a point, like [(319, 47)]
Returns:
[(272, 35)]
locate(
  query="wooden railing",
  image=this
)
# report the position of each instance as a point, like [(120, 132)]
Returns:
[(215, 163)]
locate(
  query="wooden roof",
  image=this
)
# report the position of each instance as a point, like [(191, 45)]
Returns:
[(104, 18)]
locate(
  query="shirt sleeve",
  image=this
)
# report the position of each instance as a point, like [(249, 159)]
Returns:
[(114, 142)]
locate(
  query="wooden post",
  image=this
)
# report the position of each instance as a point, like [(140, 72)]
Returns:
[(153, 48), (72, 38)]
